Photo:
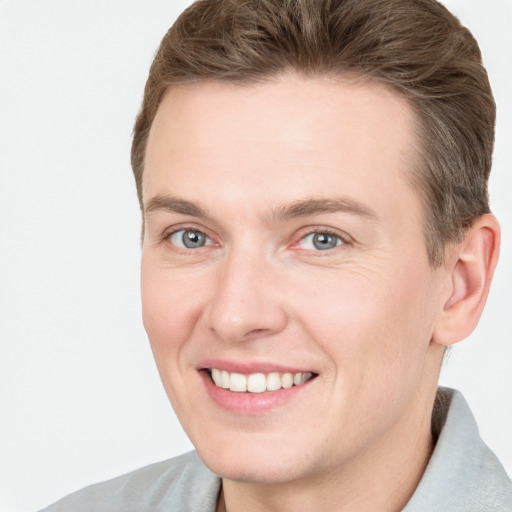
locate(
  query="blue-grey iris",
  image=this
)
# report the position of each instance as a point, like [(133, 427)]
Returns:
[(324, 241), (193, 239)]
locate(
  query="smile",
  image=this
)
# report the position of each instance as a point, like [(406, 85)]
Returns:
[(257, 382)]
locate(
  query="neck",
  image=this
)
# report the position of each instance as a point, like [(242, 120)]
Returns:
[(382, 478)]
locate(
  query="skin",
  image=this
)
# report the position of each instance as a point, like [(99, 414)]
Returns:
[(362, 316)]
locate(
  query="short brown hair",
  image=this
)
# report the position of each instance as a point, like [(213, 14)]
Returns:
[(416, 47)]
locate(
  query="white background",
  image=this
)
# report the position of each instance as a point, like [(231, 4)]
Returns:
[(80, 400)]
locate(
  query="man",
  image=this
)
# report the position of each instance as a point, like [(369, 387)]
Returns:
[(316, 231)]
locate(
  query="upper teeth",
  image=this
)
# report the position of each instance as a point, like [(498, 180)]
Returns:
[(257, 382)]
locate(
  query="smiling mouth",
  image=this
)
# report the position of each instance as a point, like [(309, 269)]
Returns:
[(257, 382)]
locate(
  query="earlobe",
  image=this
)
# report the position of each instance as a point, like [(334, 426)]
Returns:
[(471, 267)]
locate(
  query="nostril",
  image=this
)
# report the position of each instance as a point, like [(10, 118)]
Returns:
[(237, 334)]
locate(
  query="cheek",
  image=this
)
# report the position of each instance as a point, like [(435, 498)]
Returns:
[(375, 335), (372, 325), (169, 308)]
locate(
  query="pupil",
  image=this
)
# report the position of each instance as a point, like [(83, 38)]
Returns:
[(193, 239), (323, 241)]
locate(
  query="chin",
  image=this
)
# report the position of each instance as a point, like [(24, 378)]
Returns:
[(257, 462), (253, 471)]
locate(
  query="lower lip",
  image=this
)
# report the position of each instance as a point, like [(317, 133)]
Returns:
[(251, 404)]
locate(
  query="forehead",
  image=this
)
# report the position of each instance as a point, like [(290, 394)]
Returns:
[(298, 133), (290, 101)]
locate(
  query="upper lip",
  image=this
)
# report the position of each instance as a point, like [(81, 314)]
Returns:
[(249, 367)]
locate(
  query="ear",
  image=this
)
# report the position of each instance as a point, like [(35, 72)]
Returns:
[(470, 265)]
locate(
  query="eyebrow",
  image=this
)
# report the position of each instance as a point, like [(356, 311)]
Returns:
[(175, 205), (307, 207), (296, 209)]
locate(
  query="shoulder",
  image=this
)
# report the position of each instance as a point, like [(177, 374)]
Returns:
[(182, 483), (463, 474)]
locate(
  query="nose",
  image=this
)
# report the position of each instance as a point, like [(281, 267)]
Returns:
[(245, 303)]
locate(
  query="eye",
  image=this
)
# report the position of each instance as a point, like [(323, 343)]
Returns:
[(189, 239), (321, 241)]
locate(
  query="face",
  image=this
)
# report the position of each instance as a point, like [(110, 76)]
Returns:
[(284, 254)]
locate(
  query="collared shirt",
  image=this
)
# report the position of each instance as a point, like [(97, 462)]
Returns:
[(463, 475)]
